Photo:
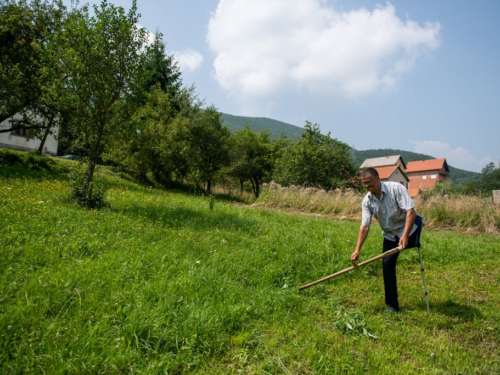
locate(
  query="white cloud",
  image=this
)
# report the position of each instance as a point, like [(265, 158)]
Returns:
[(459, 157), (264, 48), (189, 59)]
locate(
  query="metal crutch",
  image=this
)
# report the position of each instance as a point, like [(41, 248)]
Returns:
[(423, 277)]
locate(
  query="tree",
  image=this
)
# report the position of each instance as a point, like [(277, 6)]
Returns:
[(315, 160), (158, 69), (27, 31), (159, 146), (252, 157), (210, 146), (490, 178), (99, 59)]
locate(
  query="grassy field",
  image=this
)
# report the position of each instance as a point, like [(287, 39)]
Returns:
[(158, 283)]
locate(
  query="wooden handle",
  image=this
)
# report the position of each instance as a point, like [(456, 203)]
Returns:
[(355, 265)]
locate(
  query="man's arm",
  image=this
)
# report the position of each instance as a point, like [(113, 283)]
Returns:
[(410, 220), (362, 234)]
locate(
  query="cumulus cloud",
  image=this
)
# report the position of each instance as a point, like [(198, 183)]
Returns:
[(267, 47), (189, 59), (459, 157)]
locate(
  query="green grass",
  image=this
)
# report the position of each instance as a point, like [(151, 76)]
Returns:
[(158, 283)]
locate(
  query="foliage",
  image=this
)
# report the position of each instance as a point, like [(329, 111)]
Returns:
[(316, 160), (99, 58), (158, 69), (27, 28), (159, 147), (210, 146), (161, 284), (88, 195), (24, 29), (253, 157), (490, 178)]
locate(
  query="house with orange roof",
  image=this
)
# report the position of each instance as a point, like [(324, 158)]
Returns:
[(389, 168), (424, 174), (393, 173)]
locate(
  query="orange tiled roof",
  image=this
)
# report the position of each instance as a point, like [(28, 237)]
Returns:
[(426, 165), (385, 172)]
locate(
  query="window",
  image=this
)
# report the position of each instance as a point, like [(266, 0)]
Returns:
[(433, 176), (21, 132), (424, 177)]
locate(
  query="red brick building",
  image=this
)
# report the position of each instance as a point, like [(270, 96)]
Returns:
[(425, 173)]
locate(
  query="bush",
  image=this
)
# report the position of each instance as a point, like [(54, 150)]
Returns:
[(88, 195)]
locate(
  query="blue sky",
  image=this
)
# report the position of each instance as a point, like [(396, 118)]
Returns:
[(420, 76)]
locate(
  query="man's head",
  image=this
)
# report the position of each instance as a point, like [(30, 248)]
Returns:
[(370, 179)]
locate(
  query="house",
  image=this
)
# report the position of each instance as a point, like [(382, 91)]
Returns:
[(384, 161), (19, 139), (389, 168), (425, 174), (393, 173)]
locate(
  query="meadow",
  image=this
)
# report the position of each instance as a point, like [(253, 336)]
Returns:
[(173, 283)]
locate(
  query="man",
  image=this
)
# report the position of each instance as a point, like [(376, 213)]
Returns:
[(391, 204)]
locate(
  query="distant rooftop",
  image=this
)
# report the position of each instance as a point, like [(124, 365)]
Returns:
[(383, 161), (427, 165)]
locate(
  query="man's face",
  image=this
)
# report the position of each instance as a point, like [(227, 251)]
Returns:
[(369, 182)]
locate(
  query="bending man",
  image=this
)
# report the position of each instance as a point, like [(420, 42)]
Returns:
[(391, 204)]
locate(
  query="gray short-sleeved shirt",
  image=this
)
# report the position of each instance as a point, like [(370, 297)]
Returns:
[(390, 210)]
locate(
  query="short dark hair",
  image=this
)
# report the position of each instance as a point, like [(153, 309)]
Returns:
[(372, 172)]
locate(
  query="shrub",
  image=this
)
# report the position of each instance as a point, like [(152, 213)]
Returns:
[(89, 195)]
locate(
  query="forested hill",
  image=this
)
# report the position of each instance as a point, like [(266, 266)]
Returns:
[(275, 127), (458, 176)]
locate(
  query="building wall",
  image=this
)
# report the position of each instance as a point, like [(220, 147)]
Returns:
[(398, 176), (424, 180), (18, 142)]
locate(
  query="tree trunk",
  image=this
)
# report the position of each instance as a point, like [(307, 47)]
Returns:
[(255, 186), (45, 135), (209, 186), (94, 155), (242, 181)]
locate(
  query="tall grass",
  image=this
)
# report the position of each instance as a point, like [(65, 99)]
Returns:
[(334, 202), (160, 283), (464, 213)]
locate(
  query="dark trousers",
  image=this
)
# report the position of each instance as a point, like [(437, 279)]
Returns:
[(389, 264)]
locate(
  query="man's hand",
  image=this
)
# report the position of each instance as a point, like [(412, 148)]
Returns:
[(355, 256), (403, 242)]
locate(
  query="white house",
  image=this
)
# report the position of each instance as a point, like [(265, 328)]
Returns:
[(18, 139)]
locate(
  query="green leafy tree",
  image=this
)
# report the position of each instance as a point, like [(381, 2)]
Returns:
[(315, 160), (210, 146), (159, 69), (99, 58), (252, 157), (490, 178), (159, 147), (27, 30)]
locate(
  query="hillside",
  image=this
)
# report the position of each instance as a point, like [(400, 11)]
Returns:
[(275, 127), (165, 282), (458, 176)]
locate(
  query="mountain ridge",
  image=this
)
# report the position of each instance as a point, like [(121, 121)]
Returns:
[(276, 128)]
